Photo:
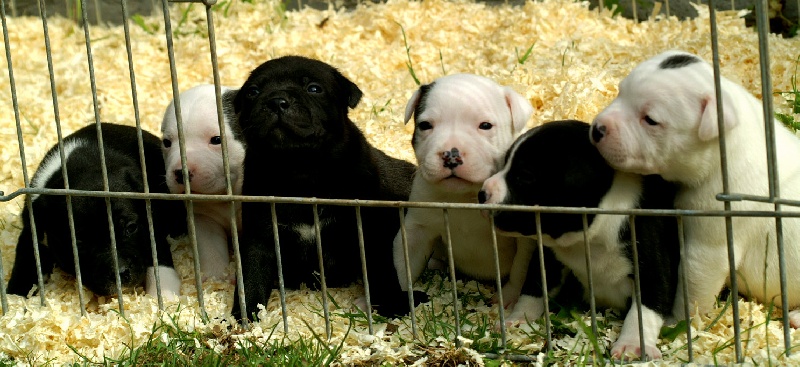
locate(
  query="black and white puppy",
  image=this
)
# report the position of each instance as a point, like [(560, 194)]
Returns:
[(300, 142), (556, 164), (82, 156)]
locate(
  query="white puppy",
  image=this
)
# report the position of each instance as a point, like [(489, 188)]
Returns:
[(664, 122), (464, 124), (206, 170)]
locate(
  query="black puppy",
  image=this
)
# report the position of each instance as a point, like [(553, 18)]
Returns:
[(82, 155), (556, 165), (299, 142)]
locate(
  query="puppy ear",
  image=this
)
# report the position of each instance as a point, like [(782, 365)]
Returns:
[(236, 99), (521, 109), (411, 106), (709, 126), (351, 89)]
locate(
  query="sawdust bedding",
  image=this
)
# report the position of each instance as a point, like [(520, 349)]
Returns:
[(577, 58)]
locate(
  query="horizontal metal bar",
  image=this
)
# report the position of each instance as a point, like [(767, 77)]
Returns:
[(757, 198), (204, 2), (407, 204)]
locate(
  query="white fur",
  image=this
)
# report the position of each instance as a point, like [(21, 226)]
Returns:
[(455, 106), (170, 283), (628, 344), (205, 164), (684, 148), (51, 164)]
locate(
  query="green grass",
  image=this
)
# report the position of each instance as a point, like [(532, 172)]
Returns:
[(793, 100)]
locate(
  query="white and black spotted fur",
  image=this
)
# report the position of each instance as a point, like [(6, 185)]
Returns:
[(556, 165), (82, 156)]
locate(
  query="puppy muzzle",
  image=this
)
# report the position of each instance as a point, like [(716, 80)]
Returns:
[(291, 114)]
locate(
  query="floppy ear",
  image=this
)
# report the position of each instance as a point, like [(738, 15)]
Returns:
[(351, 90), (237, 100), (709, 126), (521, 109), (411, 106)]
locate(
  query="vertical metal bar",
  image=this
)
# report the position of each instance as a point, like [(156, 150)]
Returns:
[(637, 284), (666, 2), (68, 198), (281, 287), (547, 323), (725, 183), (322, 281), (762, 24), (451, 263), (635, 11), (147, 202), (104, 167), (410, 283), (588, 249), (184, 170), (685, 287), (20, 141), (363, 253), (501, 309), (13, 8)]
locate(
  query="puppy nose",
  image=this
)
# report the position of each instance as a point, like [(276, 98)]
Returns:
[(278, 104), (598, 132), (482, 196), (452, 158), (179, 176)]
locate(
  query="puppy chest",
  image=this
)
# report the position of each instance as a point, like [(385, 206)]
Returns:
[(612, 273), (472, 243)]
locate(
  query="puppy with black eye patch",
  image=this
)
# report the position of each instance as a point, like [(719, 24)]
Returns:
[(300, 142), (92, 234), (556, 164)]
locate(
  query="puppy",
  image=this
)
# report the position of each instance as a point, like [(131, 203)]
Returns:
[(556, 165), (82, 156), (292, 112), (463, 125), (664, 121), (206, 170)]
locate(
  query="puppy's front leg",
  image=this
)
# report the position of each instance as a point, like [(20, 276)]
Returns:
[(258, 260), (212, 247), (23, 274), (421, 239), (519, 270), (706, 271)]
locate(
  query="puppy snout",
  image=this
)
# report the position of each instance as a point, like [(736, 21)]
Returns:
[(452, 158), (179, 176), (278, 104), (598, 132)]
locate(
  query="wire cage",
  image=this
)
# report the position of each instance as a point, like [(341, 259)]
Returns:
[(546, 339)]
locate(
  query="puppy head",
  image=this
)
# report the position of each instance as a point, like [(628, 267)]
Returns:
[(463, 125), (666, 109), (535, 173), (92, 232), (295, 102), (203, 143)]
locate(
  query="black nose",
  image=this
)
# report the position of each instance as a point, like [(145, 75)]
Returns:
[(452, 158), (278, 104), (598, 132), (179, 176), (482, 196)]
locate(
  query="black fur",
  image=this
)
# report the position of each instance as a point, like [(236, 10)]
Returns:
[(292, 112), (678, 61), (556, 165), (90, 218), (422, 103)]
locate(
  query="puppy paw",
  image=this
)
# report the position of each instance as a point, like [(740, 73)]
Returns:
[(511, 294), (794, 319), (437, 264), (628, 350), (170, 283), (527, 309)]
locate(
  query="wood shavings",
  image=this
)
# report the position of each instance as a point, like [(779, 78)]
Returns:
[(577, 58)]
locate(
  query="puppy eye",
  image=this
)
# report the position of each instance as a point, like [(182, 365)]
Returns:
[(314, 88), (485, 126), (215, 140), (252, 92), (167, 143), (650, 121), (130, 228), (424, 125)]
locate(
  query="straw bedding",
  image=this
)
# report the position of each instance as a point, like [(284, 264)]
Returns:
[(577, 58)]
